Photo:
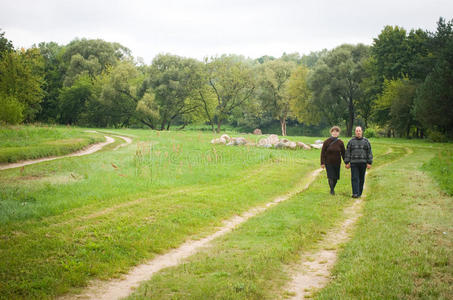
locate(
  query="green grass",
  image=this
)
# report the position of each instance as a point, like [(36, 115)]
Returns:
[(65, 222), (249, 263), (441, 168), (403, 246), (30, 142)]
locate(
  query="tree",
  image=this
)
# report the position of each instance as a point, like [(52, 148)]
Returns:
[(310, 60), (396, 103), (273, 83), (21, 80), (5, 45), (72, 100), (174, 81), (53, 81), (117, 98), (336, 81), (91, 57), (370, 87), (232, 81), (390, 51), (300, 97), (434, 100)]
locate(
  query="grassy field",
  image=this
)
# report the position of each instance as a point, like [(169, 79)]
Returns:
[(29, 142), (65, 222)]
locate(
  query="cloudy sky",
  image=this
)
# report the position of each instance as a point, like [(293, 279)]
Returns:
[(202, 28)]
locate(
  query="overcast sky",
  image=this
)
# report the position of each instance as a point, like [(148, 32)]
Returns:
[(205, 28)]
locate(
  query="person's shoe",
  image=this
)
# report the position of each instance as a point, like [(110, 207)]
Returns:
[(332, 192), (355, 196)]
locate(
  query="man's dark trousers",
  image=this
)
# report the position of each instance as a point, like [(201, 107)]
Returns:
[(358, 171)]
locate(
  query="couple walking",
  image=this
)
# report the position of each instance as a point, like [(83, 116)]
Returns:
[(358, 157)]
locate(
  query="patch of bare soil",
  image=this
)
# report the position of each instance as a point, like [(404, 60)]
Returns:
[(119, 288)]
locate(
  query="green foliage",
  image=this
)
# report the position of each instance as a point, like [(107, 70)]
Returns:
[(175, 80), (5, 44), (434, 98), (233, 82), (54, 73), (300, 97), (394, 106), (437, 137), (390, 53), (72, 99), (273, 89), (21, 80), (336, 84), (370, 133), (12, 110)]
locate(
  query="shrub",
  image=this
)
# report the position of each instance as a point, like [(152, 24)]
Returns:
[(370, 133), (437, 137)]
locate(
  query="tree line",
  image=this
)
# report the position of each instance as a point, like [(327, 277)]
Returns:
[(401, 85)]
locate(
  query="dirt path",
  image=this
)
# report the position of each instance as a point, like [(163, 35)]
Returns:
[(313, 270), (128, 140), (91, 149), (119, 288)]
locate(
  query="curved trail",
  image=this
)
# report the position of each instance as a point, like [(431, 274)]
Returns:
[(91, 149), (313, 270), (128, 140), (119, 288)]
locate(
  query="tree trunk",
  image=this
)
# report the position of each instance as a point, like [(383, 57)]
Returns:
[(351, 117), (219, 124), (147, 123), (168, 125), (283, 126)]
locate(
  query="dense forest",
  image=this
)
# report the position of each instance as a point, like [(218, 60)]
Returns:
[(401, 85)]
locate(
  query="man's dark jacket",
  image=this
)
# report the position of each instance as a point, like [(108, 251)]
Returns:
[(358, 151)]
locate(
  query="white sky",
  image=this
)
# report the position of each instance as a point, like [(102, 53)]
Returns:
[(202, 28)]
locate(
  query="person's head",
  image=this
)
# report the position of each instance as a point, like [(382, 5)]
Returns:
[(358, 132), (335, 131)]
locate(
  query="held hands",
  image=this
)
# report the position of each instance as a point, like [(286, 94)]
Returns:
[(368, 166), (323, 166), (347, 166)]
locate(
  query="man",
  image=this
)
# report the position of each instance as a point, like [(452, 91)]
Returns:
[(358, 157)]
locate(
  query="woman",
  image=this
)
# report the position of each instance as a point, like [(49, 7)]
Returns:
[(331, 154)]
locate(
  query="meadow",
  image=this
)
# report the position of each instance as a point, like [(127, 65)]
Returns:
[(66, 222)]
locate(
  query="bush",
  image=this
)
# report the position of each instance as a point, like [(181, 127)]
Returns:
[(370, 133), (437, 137)]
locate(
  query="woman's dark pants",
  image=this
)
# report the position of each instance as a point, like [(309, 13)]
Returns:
[(333, 174), (358, 178)]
